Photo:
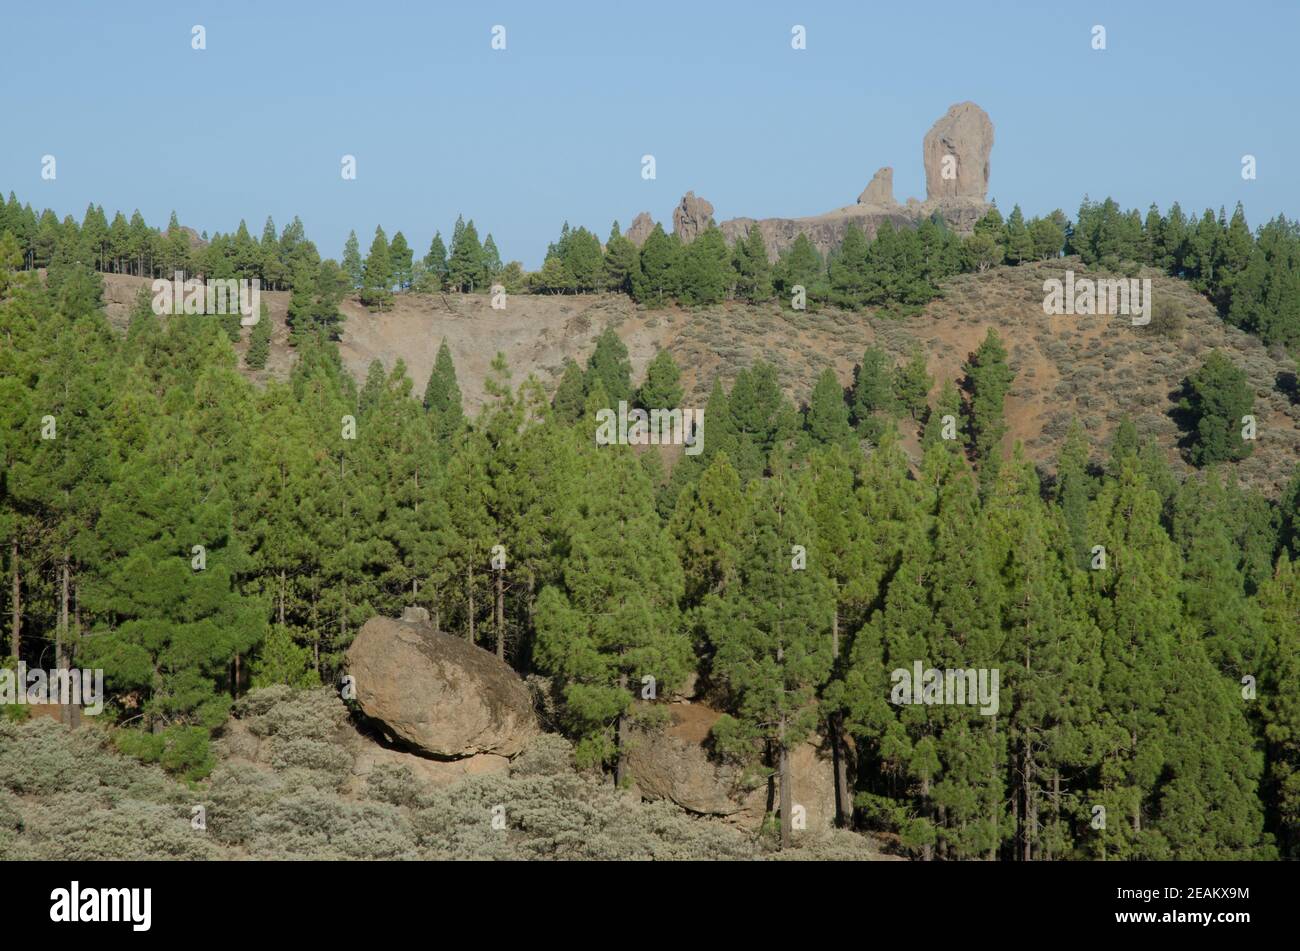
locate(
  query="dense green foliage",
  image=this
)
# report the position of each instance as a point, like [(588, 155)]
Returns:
[(1219, 402), (1252, 278)]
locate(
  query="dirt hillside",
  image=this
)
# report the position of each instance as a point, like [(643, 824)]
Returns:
[(1098, 368)]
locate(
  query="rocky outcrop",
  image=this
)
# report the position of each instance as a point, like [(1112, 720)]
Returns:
[(880, 190), (826, 232), (692, 217), (640, 228), (673, 764), (964, 134), (956, 151), (439, 695)]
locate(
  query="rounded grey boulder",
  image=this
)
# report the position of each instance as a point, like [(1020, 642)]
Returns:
[(438, 693)]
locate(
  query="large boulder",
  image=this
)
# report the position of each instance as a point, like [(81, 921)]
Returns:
[(439, 694), (964, 133), (674, 764)]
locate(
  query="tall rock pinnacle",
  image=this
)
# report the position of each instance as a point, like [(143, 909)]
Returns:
[(956, 151)]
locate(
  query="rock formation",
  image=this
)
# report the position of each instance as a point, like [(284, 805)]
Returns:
[(438, 694), (640, 228), (956, 190), (692, 217), (826, 232), (674, 765), (956, 153), (880, 190)]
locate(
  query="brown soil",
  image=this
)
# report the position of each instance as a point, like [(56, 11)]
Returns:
[(1099, 369)]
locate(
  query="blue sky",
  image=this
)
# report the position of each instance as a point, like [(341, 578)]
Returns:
[(554, 127)]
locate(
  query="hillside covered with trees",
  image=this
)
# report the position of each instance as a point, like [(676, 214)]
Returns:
[(199, 537)]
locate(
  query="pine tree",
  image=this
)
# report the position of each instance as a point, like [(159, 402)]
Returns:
[(259, 344), (970, 743), (911, 383), (706, 523), (660, 273), (838, 482), (662, 388), (1073, 492), (467, 534), (770, 634), (988, 378), (302, 283), (1161, 694), (827, 416), (435, 263), (706, 272), (352, 265), (981, 251), (286, 534), (763, 421), (609, 364), (948, 411), (178, 625), (442, 399), (1051, 667), (873, 393), (465, 270), (67, 476), (1280, 695), (1017, 239), (1217, 399), (554, 277), (1047, 238), (753, 272), (612, 621), (399, 254), (622, 263), (1214, 590), (569, 394), (579, 252), (491, 259), (378, 281), (800, 266), (849, 269)]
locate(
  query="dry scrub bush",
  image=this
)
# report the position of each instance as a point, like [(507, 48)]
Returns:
[(78, 827), (70, 795)]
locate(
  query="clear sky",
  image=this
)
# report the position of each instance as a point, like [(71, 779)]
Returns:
[(554, 127)]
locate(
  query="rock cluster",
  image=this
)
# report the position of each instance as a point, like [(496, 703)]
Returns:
[(956, 155)]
